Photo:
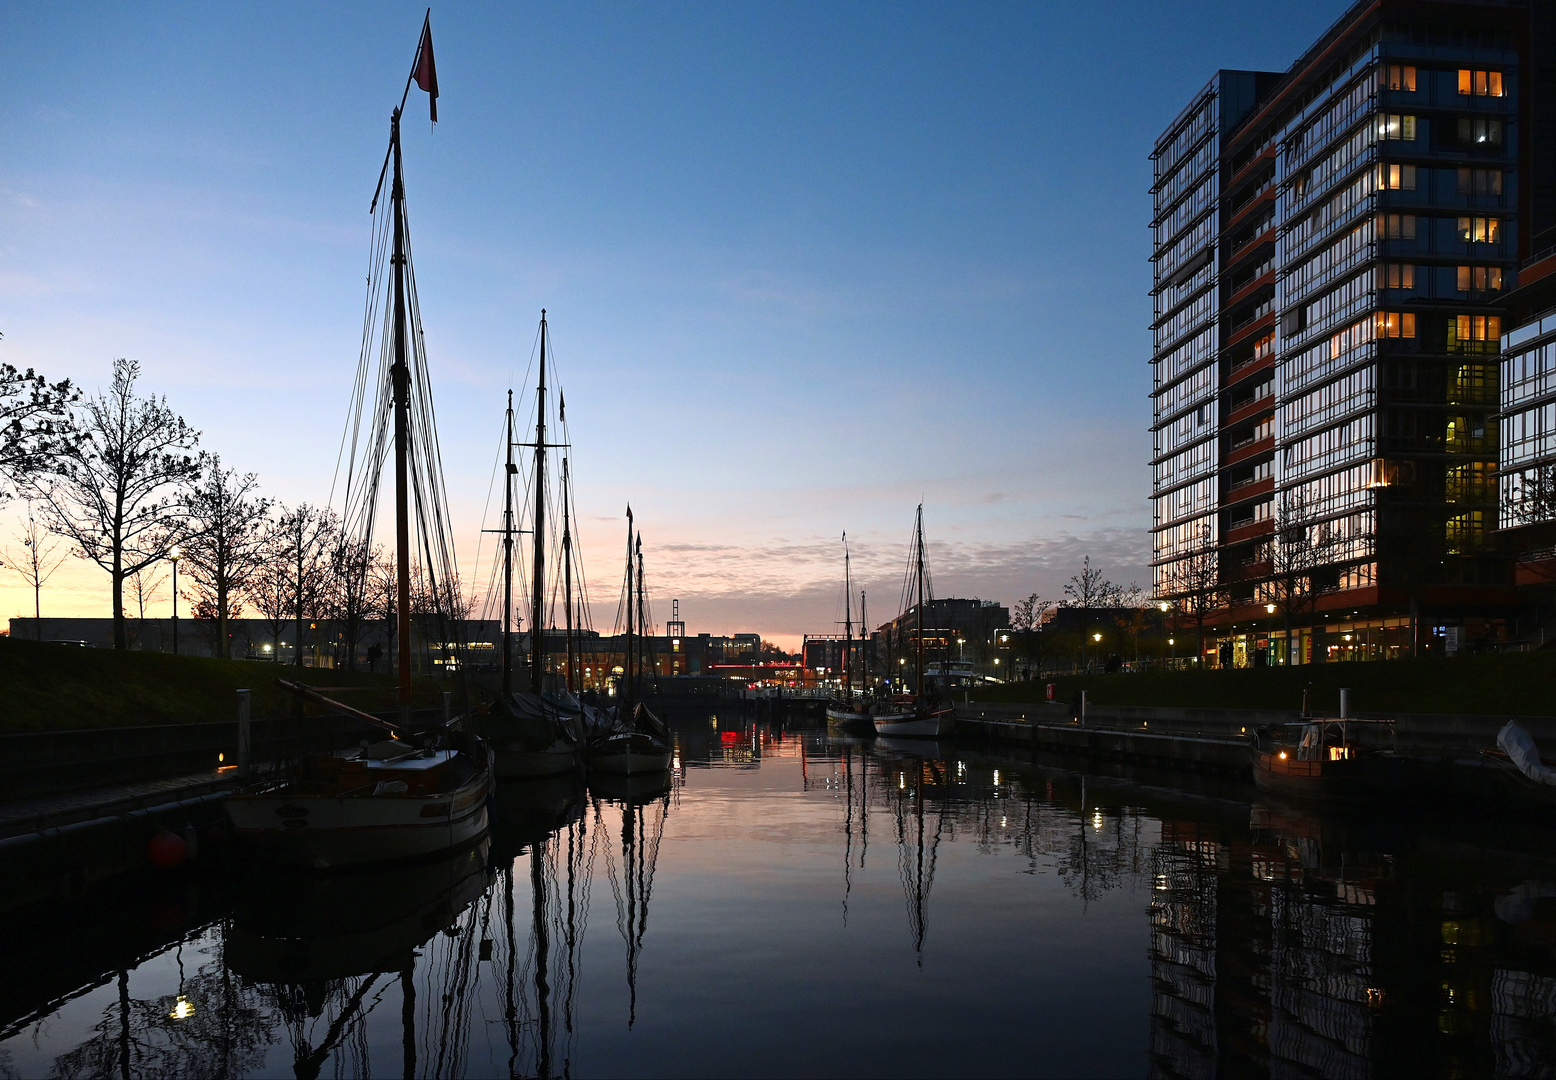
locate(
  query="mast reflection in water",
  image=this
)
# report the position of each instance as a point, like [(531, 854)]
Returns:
[(1081, 924)]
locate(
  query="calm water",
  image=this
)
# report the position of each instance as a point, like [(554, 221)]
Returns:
[(795, 904)]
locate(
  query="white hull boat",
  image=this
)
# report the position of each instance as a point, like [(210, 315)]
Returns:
[(365, 809), (913, 726)]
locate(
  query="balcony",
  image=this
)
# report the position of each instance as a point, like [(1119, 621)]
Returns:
[(1247, 529), (1247, 451), (1252, 488), (1251, 408)]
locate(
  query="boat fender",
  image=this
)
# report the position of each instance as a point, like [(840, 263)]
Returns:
[(167, 850), (1517, 744)]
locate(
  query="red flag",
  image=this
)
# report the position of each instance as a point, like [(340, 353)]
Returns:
[(426, 70)]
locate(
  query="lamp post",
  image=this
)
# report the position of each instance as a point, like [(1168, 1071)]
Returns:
[(1269, 609), (175, 554)]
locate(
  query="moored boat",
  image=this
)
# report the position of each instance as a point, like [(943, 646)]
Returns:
[(1331, 761), (914, 725), (390, 800)]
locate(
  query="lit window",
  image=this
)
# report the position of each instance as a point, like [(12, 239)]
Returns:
[(1481, 83), (1397, 276), (1480, 278), (1477, 327), (1395, 126), (1480, 181), (1480, 230), (1397, 226), (1397, 177), (1480, 132), (1396, 324), (1396, 77)]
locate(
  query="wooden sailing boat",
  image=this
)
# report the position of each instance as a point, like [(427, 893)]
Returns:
[(853, 711), (424, 789), (633, 741), (534, 732), (920, 715)]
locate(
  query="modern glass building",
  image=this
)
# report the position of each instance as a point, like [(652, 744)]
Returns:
[(1333, 247)]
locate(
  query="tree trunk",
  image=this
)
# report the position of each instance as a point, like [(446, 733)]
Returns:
[(118, 602), (223, 650), (297, 645)]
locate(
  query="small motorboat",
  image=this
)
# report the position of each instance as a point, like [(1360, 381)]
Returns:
[(913, 724), (1331, 760)]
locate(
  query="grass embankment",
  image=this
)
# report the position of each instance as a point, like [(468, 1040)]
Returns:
[(55, 687), (1514, 683)]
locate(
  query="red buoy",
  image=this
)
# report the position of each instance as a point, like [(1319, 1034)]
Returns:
[(167, 850)]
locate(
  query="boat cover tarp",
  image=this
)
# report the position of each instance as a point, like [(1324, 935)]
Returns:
[(1517, 744), (531, 721)]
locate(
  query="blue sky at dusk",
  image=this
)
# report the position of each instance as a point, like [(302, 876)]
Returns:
[(805, 263)]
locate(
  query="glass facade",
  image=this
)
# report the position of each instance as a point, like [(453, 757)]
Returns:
[(1332, 246)]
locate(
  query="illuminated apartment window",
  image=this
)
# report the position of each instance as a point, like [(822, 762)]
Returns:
[(1480, 230), (1481, 83), (1473, 384), (1264, 346), (1395, 126), (1396, 77), (1397, 177), (1475, 328), (1480, 278), (1475, 481), (1397, 226), (1479, 131), (1397, 276), (1400, 324), (1480, 181)]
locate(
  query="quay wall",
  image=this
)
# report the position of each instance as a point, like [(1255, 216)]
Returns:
[(50, 762), (1434, 736)]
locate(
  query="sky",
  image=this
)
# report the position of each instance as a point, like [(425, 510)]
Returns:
[(806, 265)]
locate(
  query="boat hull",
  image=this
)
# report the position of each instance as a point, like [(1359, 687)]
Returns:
[(1362, 780), (322, 832), (630, 763), (909, 726), (517, 763)]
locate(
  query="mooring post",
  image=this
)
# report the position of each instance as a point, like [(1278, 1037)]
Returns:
[(1083, 708), (244, 711), (448, 707), (1345, 703)]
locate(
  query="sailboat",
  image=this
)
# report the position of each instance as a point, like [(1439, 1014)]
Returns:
[(538, 731), (920, 714), (633, 741), (424, 789), (854, 711)]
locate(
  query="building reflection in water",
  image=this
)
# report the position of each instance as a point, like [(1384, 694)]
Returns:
[(1277, 942)]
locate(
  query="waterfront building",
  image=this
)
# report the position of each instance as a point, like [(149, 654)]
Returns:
[(1333, 249), (1527, 439)]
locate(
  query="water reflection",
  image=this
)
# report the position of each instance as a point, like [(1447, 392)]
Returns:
[(1153, 930)]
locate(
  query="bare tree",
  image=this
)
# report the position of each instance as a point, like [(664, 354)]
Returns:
[(1027, 613), (34, 423), (114, 482), (1533, 497), (145, 585), (1295, 550), (1088, 591), (1195, 583), (35, 563), (1134, 619), (226, 543), (348, 600), (300, 548)]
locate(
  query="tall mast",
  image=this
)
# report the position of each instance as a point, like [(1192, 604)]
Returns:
[(400, 376), (848, 626), (647, 645), (507, 557), (864, 646), (567, 574), (537, 620), (627, 679), (918, 555)]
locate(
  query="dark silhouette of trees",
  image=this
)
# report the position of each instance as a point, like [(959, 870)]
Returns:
[(114, 480), (225, 545)]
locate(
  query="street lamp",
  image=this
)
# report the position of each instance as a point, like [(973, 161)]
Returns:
[(175, 553), (1269, 609)]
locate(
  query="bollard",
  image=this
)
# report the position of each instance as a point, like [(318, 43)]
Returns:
[(244, 697), (1345, 703), (1083, 708), (448, 707)]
